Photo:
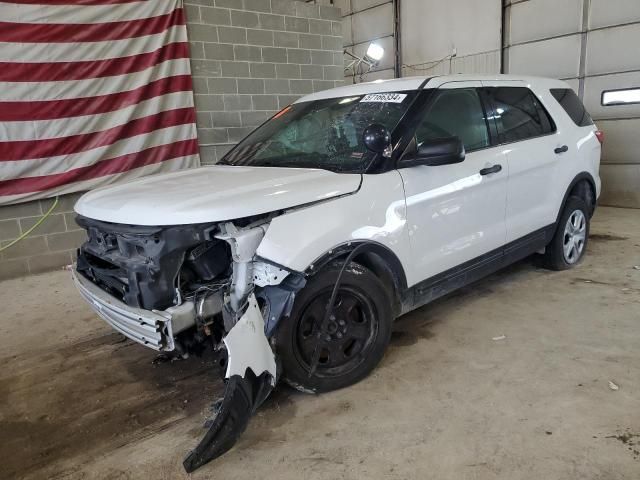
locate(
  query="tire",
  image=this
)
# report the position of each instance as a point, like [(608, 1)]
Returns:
[(576, 212), (357, 335)]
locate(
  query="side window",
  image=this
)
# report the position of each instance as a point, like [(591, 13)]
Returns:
[(571, 104), (519, 114), (456, 112)]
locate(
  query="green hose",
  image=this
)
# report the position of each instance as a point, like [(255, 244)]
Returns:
[(42, 219)]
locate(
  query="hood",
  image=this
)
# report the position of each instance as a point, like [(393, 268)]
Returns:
[(211, 194)]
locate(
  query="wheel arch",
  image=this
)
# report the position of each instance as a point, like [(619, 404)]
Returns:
[(584, 186), (378, 258)]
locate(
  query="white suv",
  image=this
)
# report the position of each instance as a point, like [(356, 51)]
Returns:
[(347, 209)]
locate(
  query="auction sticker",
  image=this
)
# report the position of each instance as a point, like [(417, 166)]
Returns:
[(384, 97)]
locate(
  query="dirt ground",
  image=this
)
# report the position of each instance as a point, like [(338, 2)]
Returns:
[(452, 399)]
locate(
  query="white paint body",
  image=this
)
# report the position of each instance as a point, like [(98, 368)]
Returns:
[(431, 218)]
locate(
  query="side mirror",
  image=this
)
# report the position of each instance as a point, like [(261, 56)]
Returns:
[(376, 138), (443, 151)]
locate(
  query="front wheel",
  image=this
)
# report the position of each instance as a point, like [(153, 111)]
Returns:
[(355, 338), (569, 244)]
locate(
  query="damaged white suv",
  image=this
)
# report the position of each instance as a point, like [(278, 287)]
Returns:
[(294, 254)]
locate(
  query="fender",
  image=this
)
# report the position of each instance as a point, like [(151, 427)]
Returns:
[(342, 250), (577, 179)]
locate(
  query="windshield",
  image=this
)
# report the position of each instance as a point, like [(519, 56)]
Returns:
[(324, 134)]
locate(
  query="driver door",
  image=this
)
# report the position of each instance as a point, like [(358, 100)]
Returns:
[(456, 212)]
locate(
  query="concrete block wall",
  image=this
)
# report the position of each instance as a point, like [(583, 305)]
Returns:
[(251, 58), (51, 245)]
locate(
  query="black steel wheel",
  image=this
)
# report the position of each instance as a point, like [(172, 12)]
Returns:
[(352, 341)]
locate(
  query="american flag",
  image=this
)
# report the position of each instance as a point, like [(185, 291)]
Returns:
[(92, 92)]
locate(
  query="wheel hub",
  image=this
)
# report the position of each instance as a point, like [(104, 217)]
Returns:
[(575, 234), (345, 337)]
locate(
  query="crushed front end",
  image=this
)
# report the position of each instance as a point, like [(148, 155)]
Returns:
[(179, 288)]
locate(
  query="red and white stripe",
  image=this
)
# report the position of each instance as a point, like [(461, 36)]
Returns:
[(92, 92)]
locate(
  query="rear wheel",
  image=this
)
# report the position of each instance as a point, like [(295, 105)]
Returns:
[(354, 339), (569, 244)]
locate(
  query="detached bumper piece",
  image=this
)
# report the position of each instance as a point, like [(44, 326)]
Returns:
[(248, 352), (242, 397)]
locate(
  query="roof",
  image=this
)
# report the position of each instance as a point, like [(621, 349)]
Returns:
[(413, 83)]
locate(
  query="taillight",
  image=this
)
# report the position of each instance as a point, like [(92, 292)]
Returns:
[(600, 136)]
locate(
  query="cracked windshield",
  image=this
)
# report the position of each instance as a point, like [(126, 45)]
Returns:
[(324, 134)]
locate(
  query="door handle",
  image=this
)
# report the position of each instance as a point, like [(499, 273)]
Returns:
[(490, 170), (561, 149)]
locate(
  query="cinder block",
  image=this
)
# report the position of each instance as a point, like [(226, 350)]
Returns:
[(212, 136), (205, 68), (274, 54), (331, 43), (338, 58), (235, 69), (232, 35), (65, 203), (307, 10), (282, 6), (330, 13), (65, 241), (313, 42), (196, 50), (244, 19), (200, 85), (319, 85), (299, 56), (208, 103), (202, 33), (52, 224), (301, 86), (319, 57), (322, 27), (260, 37), (222, 85), (9, 229), (192, 13), (287, 70), (285, 100), (262, 70), (215, 16), (222, 150), (271, 22), (226, 119), (311, 71), (276, 86), (237, 134), (250, 85), (285, 39), (234, 103), (218, 51), (49, 261), (264, 102), (336, 28), (258, 5), (333, 73), (26, 247), (227, 3), (20, 210), (295, 24), (208, 155), (70, 222), (253, 119), (13, 269), (247, 53)]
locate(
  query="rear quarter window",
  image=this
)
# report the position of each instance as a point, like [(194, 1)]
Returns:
[(571, 104)]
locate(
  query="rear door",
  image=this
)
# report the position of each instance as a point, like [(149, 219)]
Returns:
[(455, 212), (527, 135)]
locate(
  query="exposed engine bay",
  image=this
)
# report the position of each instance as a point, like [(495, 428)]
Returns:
[(180, 288)]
